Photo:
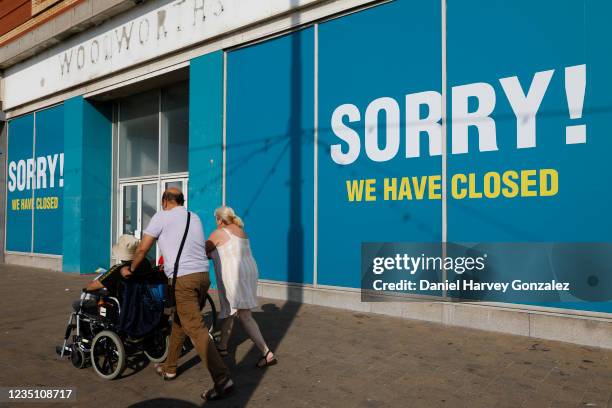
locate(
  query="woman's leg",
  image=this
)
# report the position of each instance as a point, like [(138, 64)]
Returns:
[(252, 329), (226, 330)]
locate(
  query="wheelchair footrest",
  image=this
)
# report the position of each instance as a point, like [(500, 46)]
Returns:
[(67, 351)]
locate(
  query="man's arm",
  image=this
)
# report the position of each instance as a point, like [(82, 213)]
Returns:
[(146, 243)]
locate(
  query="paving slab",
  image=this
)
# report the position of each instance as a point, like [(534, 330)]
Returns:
[(327, 358)]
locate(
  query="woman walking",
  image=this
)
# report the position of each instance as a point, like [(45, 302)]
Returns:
[(237, 275)]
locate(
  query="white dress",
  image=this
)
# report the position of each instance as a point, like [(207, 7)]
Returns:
[(239, 274)]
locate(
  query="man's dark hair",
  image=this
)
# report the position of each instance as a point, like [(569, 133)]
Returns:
[(174, 195)]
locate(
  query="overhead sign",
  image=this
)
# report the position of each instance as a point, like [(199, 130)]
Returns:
[(146, 32)]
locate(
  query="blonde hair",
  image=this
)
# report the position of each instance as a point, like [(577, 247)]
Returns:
[(228, 216)]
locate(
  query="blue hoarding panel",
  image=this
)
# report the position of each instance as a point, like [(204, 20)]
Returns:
[(88, 185), (270, 116), (20, 180), (97, 184), (206, 138), (368, 63), (72, 236), (537, 112), (48, 195)]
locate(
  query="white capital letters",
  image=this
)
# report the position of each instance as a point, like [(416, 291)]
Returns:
[(12, 184), (345, 133), (21, 175), (31, 173), (526, 107), (52, 160), (430, 124), (392, 112), (41, 172), (463, 119)]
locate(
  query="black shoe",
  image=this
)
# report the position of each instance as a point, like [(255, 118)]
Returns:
[(219, 391)]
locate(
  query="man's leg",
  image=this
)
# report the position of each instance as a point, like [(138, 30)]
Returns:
[(177, 338), (226, 331), (188, 289)]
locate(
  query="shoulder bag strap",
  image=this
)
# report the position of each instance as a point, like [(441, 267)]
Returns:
[(178, 257)]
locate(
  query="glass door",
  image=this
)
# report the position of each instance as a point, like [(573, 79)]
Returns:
[(148, 207), (129, 206), (139, 202), (178, 182)]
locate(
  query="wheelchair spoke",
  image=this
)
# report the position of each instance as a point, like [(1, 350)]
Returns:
[(107, 358), (105, 364), (108, 355)]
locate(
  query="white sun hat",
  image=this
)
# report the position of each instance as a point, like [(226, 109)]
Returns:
[(125, 248)]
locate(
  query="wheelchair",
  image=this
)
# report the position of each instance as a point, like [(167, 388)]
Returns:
[(93, 335)]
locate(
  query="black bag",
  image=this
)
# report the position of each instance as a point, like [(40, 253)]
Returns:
[(171, 299)]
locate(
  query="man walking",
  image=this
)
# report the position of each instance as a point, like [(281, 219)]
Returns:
[(192, 283)]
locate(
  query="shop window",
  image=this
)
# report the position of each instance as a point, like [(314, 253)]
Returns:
[(174, 128), (154, 132), (139, 135)]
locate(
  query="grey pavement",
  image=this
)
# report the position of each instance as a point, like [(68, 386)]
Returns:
[(327, 358)]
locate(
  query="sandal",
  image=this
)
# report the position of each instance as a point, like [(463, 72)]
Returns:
[(219, 391), (266, 363), (223, 352), (159, 369)]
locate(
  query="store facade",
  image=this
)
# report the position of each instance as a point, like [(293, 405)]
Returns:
[(321, 123)]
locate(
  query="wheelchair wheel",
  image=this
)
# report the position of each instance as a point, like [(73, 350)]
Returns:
[(156, 347), (108, 355), (77, 357)]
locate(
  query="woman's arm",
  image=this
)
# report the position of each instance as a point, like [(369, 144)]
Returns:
[(209, 246), (215, 237)]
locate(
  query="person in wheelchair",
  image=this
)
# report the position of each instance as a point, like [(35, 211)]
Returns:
[(119, 313), (113, 280)]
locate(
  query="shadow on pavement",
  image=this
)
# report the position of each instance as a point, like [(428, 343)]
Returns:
[(163, 403), (135, 364), (275, 322)]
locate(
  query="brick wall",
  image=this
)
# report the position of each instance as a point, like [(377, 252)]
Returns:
[(17, 17), (13, 13)]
